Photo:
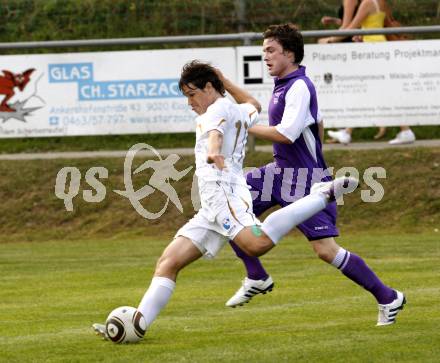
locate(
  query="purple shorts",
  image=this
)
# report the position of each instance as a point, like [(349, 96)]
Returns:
[(271, 186)]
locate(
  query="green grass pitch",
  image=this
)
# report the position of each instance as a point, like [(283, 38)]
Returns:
[(51, 293)]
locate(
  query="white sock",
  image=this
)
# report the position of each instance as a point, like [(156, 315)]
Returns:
[(156, 297), (341, 258), (282, 221)]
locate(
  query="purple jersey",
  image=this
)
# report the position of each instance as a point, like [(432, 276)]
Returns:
[(297, 165), (304, 152)]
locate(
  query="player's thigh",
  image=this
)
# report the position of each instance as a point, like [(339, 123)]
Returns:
[(178, 254), (235, 212), (207, 236), (243, 226)]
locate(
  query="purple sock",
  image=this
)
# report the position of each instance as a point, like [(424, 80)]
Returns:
[(254, 268), (357, 270)]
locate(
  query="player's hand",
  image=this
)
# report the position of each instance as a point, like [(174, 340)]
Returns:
[(226, 82), (216, 159), (219, 74)]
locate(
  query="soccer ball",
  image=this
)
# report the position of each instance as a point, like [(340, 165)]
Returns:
[(125, 325)]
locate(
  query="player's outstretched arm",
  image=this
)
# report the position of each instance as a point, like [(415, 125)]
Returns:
[(240, 95), (269, 133), (215, 142)]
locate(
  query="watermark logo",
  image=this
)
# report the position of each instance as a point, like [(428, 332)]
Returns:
[(269, 182), (69, 178), (163, 171)]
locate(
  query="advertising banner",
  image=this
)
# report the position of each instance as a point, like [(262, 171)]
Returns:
[(99, 93), (361, 84), (126, 92)]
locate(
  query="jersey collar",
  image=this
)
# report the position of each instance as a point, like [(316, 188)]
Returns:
[(301, 71)]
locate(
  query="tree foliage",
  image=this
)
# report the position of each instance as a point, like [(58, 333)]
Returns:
[(37, 20)]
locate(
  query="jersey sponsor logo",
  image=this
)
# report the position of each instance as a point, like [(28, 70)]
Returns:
[(320, 228), (276, 96), (226, 223)]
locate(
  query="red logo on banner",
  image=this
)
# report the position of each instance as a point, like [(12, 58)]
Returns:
[(9, 83)]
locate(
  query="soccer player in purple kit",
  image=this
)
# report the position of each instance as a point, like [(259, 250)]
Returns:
[(294, 130)]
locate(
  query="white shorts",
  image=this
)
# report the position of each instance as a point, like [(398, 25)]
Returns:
[(226, 210)]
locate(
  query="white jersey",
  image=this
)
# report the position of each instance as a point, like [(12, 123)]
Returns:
[(233, 121), (224, 195)]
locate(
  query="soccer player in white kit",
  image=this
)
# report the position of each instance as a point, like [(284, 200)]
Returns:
[(226, 211)]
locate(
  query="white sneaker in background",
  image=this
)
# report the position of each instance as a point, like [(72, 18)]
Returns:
[(249, 289), (388, 312), (403, 137), (341, 136)]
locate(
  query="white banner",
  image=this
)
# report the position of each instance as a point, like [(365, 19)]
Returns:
[(362, 84), (99, 93)]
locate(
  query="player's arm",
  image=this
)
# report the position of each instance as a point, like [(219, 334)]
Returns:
[(269, 133), (215, 142), (240, 95), (294, 118)]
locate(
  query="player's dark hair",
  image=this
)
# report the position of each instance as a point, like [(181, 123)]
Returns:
[(198, 74), (289, 37)]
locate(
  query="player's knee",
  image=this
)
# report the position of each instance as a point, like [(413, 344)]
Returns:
[(250, 249), (323, 252), (259, 247), (253, 251), (167, 265), (324, 255), (326, 249)]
